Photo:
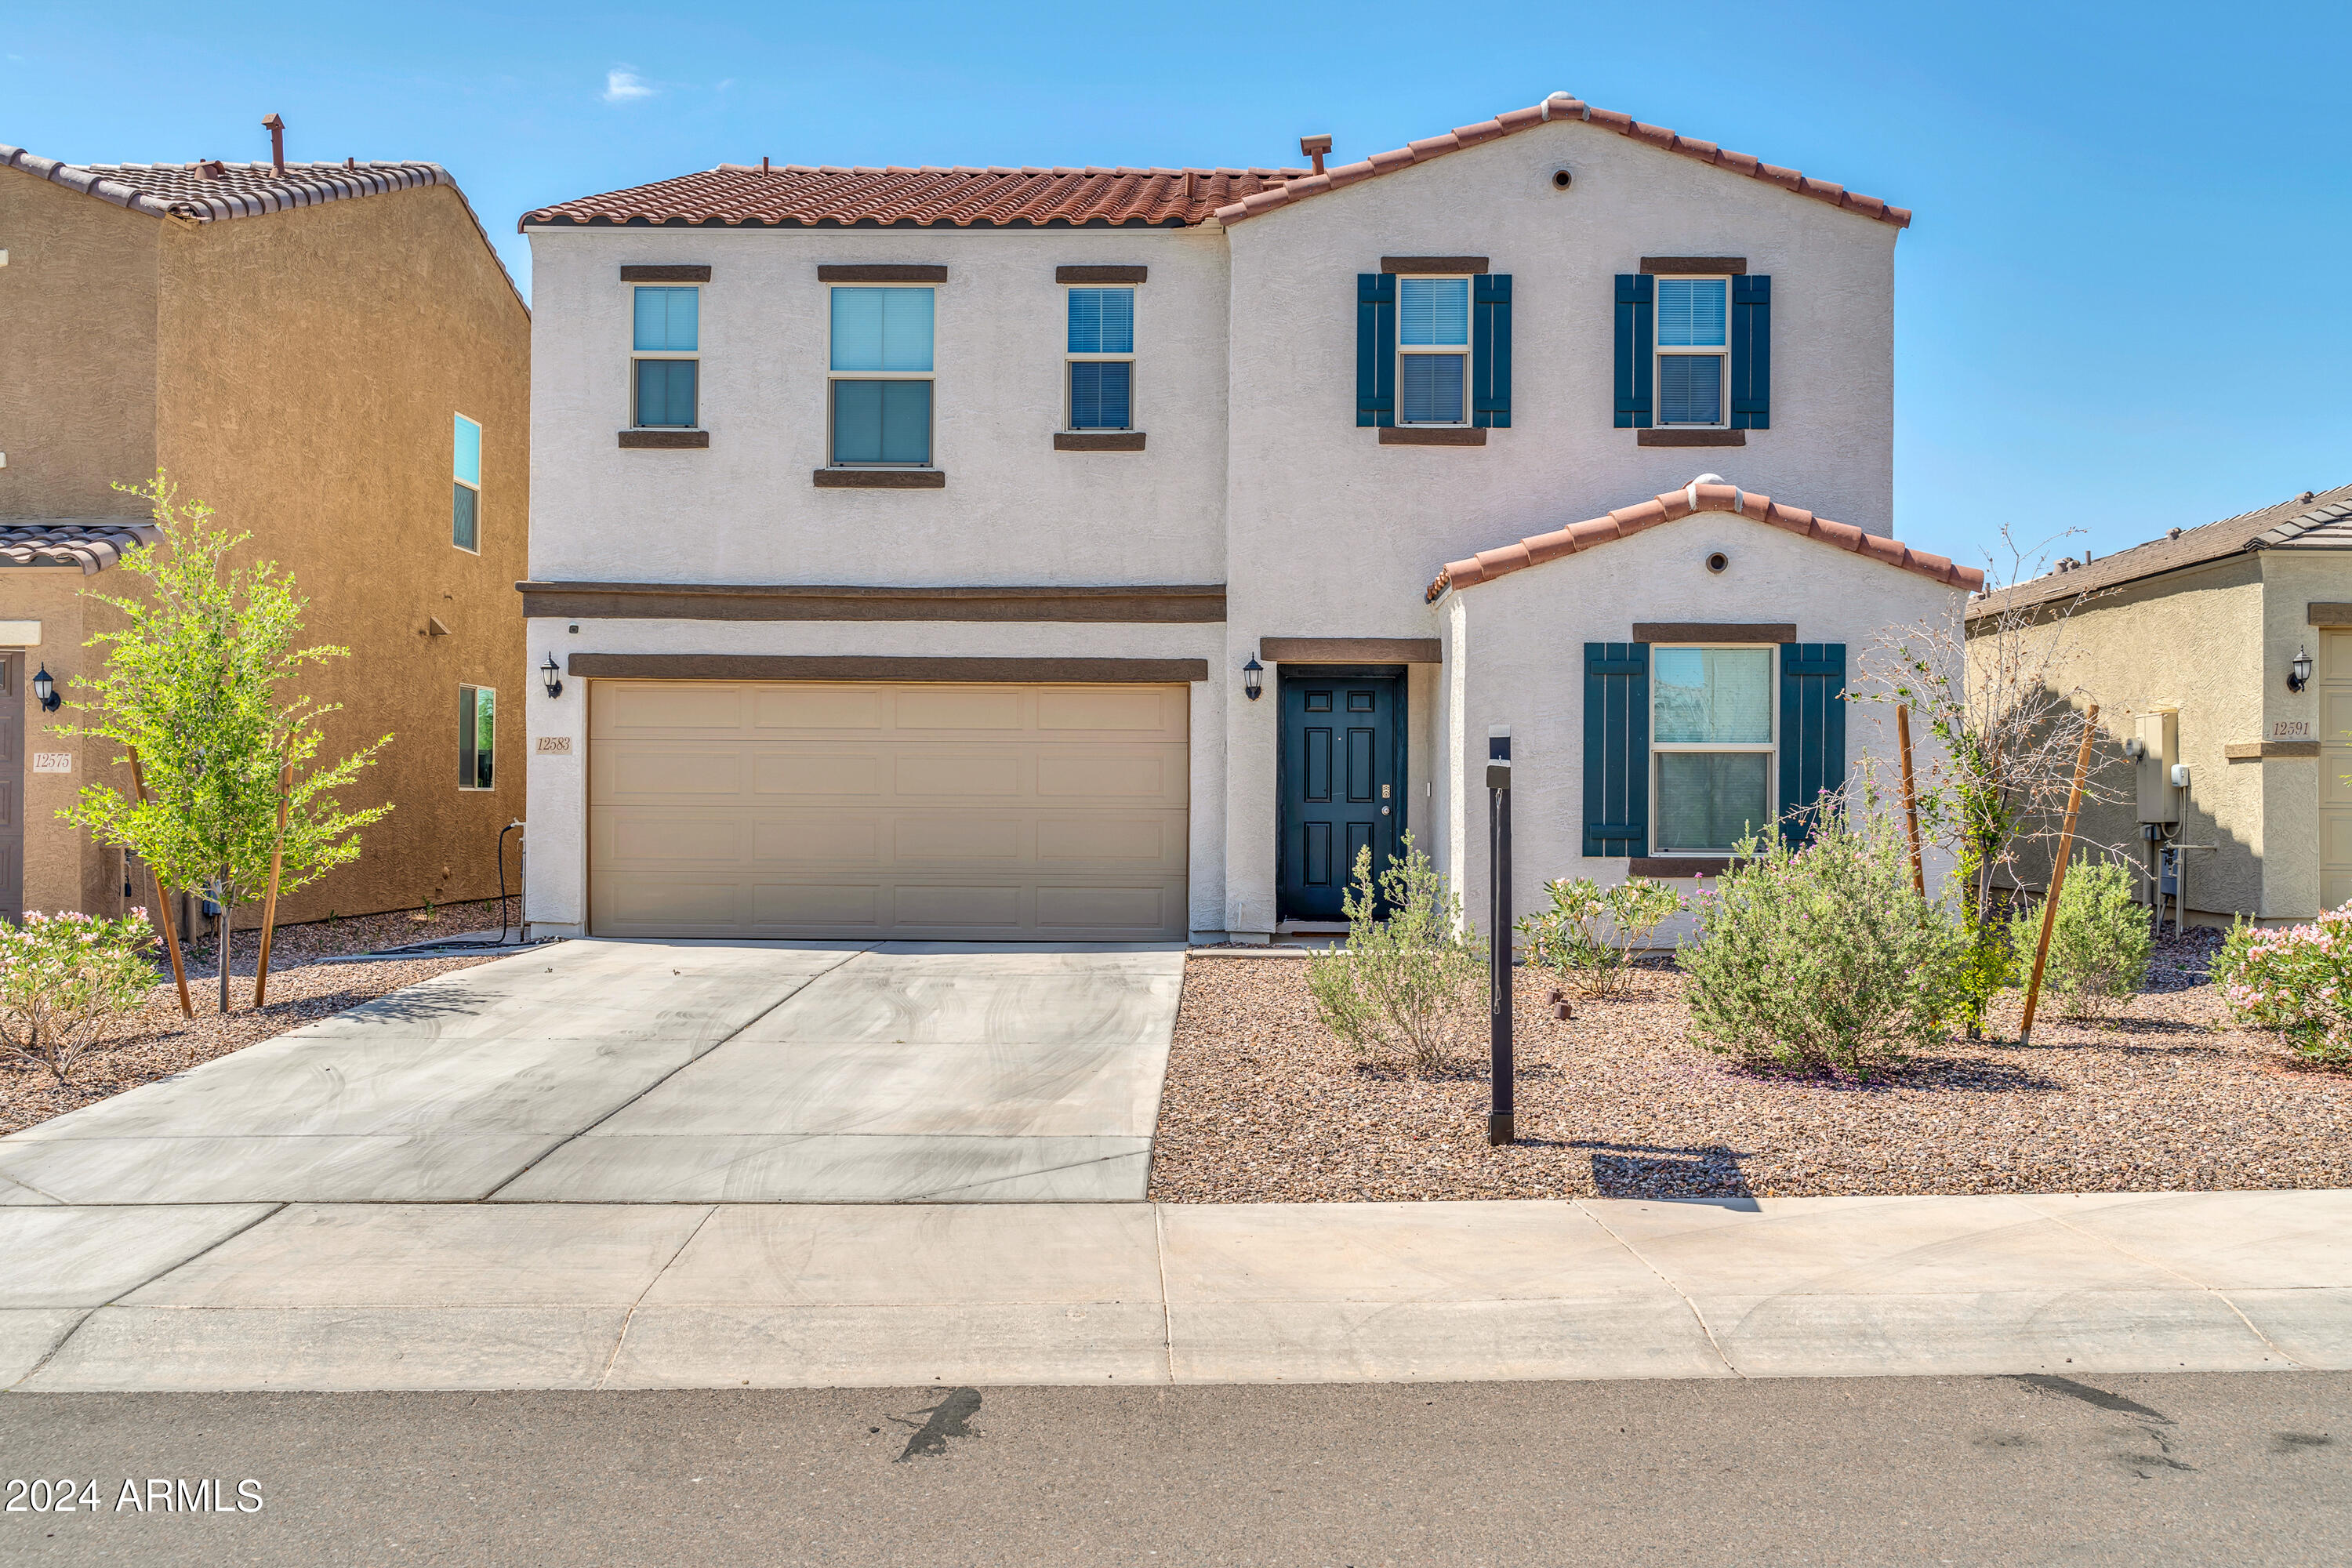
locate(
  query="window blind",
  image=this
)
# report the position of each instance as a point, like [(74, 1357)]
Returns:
[(882, 329), (1102, 321), (1691, 313), (1434, 312), (668, 320), (1102, 395), (881, 421)]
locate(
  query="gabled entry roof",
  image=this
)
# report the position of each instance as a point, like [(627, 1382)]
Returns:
[(1698, 496)]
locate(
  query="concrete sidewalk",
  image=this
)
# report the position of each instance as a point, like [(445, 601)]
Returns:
[(718, 1296)]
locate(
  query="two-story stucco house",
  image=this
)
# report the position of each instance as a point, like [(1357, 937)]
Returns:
[(1111, 553)]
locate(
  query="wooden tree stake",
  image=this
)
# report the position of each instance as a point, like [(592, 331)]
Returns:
[(1910, 799), (2058, 874), (269, 909), (163, 904)]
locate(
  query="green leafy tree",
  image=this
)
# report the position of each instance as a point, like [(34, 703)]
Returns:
[(198, 683)]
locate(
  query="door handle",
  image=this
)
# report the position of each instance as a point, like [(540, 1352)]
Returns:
[(1384, 811)]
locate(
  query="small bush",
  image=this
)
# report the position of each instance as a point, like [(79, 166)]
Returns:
[(2099, 945), (1593, 934), (1403, 984), (2297, 982), (64, 979), (1822, 957)]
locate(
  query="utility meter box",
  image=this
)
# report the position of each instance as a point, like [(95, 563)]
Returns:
[(2159, 738)]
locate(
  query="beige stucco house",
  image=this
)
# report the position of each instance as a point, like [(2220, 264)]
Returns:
[(332, 356), (2207, 625)]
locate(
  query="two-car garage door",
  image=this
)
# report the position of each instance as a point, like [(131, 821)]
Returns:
[(838, 809)]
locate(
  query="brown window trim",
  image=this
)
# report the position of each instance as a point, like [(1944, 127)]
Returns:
[(1669, 867), (1098, 441), (858, 667), (1432, 436), (1709, 631), (1670, 437), (1433, 266), (1693, 265), (666, 274), (2262, 751), (665, 440), (1165, 604), (1350, 650), (881, 478), (881, 272), (1101, 274)]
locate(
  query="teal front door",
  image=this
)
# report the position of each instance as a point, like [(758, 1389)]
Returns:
[(1342, 785)]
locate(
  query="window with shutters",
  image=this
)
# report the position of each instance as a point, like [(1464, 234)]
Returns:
[(1694, 350), (466, 486), (1714, 722), (880, 393), (666, 358), (1432, 328), (1098, 377)]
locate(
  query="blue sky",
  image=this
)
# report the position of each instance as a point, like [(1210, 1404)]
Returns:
[(2123, 305)]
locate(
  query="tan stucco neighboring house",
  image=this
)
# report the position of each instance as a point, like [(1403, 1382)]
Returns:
[(2207, 625), (332, 356)]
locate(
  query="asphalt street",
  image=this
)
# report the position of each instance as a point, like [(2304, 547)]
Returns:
[(2185, 1467)]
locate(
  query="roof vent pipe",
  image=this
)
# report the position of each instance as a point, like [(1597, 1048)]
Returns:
[(276, 126), (1315, 147)]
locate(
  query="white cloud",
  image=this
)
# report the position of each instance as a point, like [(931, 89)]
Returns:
[(624, 85)]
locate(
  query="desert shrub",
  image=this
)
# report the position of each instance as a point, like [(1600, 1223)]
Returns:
[(1822, 956), (2099, 945), (64, 979), (1592, 934), (1409, 973), (2297, 982)]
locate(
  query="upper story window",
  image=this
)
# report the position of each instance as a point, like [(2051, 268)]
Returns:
[(1433, 350), (1100, 378), (1712, 741), (1694, 316), (466, 486), (666, 347), (880, 397)]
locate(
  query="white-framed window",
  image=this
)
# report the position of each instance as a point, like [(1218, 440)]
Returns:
[(1098, 373), (1694, 350), (466, 486), (477, 737), (1714, 735), (878, 397), (666, 369), (1433, 350)]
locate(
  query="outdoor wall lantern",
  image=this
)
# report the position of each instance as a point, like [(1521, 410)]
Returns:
[(2298, 674), (553, 677), (1253, 677), (46, 690)]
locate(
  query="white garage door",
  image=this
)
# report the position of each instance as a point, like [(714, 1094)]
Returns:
[(792, 809)]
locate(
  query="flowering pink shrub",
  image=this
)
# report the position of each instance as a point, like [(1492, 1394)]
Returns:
[(2297, 980), (63, 980)]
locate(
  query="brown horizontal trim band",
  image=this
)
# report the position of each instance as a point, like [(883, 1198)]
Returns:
[(1101, 274), (1671, 865), (881, 478), (1350, 650), (2256, 751), (1177, 603), (1432, 435), (1710, 631), (2327, 615), (666, 274), (856, 666), (665, 440), (1691, 438), (1098, 441), (881, 272), (1693, 265), (1433, 266)]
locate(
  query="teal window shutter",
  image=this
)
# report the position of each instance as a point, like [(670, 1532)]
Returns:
[(1376, 356), (1813, 731), (1617, 748), (1490, 352), (1752, 353), (1636, 301)]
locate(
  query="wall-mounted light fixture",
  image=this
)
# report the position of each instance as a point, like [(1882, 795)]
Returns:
[(1253, 677), (2298, 674), (46, 690), (553, 677)]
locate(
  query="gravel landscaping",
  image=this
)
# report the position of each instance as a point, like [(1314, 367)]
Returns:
[(1262, 1105)]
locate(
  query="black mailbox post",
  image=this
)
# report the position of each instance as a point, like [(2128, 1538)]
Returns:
[(1499, 1118)]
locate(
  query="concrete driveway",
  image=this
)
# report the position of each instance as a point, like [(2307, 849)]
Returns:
[(648, 1072)]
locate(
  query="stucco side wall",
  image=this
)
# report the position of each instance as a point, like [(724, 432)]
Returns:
[(1521, 640), (2293, 581), (311, 364), (1014, 512), (77, 350)]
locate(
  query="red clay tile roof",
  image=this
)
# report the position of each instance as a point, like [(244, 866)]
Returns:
[(93, 543), (239, 190), (1560, 106), (739, 194), (1696, 497)]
